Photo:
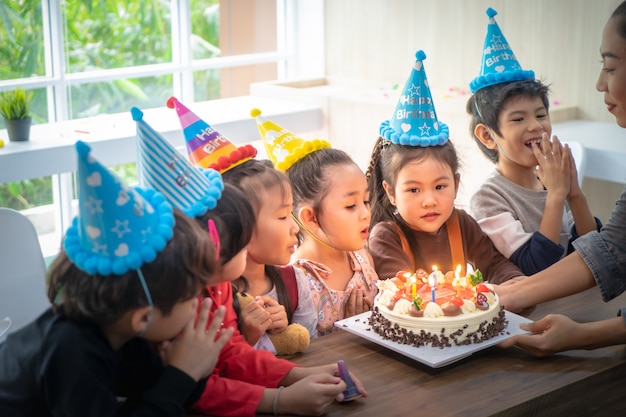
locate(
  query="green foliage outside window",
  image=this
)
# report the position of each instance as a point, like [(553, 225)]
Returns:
[(101, 34)]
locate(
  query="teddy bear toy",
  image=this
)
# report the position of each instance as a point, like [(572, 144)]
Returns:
[(294, 339)]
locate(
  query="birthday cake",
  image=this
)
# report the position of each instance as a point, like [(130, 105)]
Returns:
[(439, 310)]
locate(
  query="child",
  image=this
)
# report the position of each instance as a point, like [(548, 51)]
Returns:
[(277, 289), (532, 216), (114, 289), (413, 180), (260, 321), (599, 258), (245, 381), (331, 203), (331, 206)]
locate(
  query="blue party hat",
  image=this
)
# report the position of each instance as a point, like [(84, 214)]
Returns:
[(118, 228), (499, 64), (415, 121), (193, 190)]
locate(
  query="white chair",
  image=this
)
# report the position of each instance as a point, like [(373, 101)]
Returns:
[(22, 271), (578, 152)]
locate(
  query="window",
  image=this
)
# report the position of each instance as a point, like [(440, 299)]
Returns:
[(85, 58)]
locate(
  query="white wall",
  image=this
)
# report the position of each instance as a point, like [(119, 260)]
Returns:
[(559, 39)]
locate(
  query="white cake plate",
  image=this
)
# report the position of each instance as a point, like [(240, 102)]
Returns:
[(432, 356)]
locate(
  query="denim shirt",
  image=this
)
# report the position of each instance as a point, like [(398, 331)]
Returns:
[(604, 252)]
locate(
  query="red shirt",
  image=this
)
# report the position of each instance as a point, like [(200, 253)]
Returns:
[(236, 386)]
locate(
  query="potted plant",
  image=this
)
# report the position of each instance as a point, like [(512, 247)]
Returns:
[(15, 108)]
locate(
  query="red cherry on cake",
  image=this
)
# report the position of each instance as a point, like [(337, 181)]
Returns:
[(457, 301), (480, 287)]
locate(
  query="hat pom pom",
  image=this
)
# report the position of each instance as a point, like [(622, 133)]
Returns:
[(490, 12), (170, 102), (255, 112), (420, 55), (136, 113), (301, 151)]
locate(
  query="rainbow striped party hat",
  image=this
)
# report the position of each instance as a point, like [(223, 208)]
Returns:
[(206, 146)]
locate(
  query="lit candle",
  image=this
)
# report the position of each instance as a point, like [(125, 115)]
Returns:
[(432, 281), (413, 286)]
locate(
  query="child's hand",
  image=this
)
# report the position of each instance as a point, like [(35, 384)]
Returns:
[(574, 190), (278, 315), (196, 350), (358, 302), (255, 321), (554, 166), (311, 395)]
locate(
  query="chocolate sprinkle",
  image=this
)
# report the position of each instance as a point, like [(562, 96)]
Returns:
[(392, 331)]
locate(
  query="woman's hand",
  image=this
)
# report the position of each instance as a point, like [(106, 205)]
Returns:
[(553, 333)]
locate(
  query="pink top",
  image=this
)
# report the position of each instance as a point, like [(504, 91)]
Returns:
[(330, 303)]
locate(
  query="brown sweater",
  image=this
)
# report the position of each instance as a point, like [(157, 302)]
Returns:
[(385, 246)]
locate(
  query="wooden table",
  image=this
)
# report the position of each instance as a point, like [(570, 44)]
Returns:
[(493, 382)]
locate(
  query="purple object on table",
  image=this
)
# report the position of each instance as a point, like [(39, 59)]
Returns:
[(351, 392)]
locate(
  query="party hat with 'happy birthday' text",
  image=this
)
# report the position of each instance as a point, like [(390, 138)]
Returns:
[(206, 146), (282, 146), (414, 121), (193, 190), (499, 64), (118, 228)]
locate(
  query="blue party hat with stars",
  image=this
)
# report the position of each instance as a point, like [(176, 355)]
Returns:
[(414, 121), (193, 190), (118, 228), (499, 64)]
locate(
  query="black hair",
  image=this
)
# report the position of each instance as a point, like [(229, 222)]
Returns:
[(620, 15), (310, 177), (177, 273), (385, 164), (251, 177), (487, 103), (234, 219)]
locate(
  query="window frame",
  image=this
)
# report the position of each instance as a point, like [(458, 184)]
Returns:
[(299, 54)]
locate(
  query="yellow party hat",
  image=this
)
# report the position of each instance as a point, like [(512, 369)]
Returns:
[(282, 146)]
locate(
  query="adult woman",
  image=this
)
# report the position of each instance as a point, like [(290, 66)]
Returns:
[(600, 257)]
